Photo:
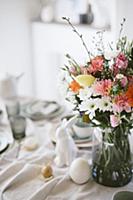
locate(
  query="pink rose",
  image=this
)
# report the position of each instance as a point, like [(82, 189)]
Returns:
[(124, 81), (121, 61), (114, 120)]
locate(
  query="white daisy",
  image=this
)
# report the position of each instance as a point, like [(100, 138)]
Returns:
[(105, 104), (89, 106), (85, 93)]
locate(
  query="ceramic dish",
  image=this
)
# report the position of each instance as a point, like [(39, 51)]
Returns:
[(83, 131), (3, 143), (39, 110), (123, 195)]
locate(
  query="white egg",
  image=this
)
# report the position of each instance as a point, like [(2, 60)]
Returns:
[(80, 171), (30, 144)]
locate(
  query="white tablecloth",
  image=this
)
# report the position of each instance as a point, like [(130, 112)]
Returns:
[(21, 179)]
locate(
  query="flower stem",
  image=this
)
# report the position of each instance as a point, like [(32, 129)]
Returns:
[(80, 35)]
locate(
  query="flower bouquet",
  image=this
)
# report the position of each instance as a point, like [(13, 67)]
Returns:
[(102, 92)]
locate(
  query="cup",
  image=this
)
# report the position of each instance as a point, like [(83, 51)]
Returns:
[(18, 126), (83, 129)]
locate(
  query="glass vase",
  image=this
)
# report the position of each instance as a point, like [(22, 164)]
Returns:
[(112, 164)]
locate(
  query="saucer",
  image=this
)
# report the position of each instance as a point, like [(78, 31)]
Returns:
[(86, 144)]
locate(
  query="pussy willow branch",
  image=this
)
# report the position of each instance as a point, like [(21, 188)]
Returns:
[(80, 35), (74, 61), (121, 29)]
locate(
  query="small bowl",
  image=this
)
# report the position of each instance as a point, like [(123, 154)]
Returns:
[(82, 129), (123, 195)]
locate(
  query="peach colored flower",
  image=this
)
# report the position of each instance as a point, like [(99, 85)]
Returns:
[(121, 103), (96, 64), (103, 87)]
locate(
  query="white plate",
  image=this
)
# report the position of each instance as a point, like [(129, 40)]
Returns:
[(3, 143), (39, 110)]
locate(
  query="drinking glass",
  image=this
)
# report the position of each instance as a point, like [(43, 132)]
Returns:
[(18, 128), (12, 107)]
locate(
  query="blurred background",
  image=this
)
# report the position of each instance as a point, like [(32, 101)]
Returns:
[(34, 39)]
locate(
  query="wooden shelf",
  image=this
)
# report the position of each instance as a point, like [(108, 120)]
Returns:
[(91, 26)]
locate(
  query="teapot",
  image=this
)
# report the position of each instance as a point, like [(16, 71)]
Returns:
[(8, 85)]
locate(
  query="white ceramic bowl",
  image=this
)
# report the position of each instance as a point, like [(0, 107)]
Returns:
[(83, 130)]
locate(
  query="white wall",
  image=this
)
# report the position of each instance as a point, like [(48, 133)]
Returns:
[(15, 40), (124, 9)]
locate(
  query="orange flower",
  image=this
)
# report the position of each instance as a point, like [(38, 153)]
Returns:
[(129, 94), (75, 87)]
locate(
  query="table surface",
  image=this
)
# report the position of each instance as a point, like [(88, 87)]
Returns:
[(21, 178)]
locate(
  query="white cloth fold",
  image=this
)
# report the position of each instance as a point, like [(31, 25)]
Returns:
[(21, 179)]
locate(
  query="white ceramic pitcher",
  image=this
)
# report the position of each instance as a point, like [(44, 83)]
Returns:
[(8, 85)]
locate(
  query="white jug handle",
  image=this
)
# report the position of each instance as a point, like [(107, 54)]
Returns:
[(19, 76)]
